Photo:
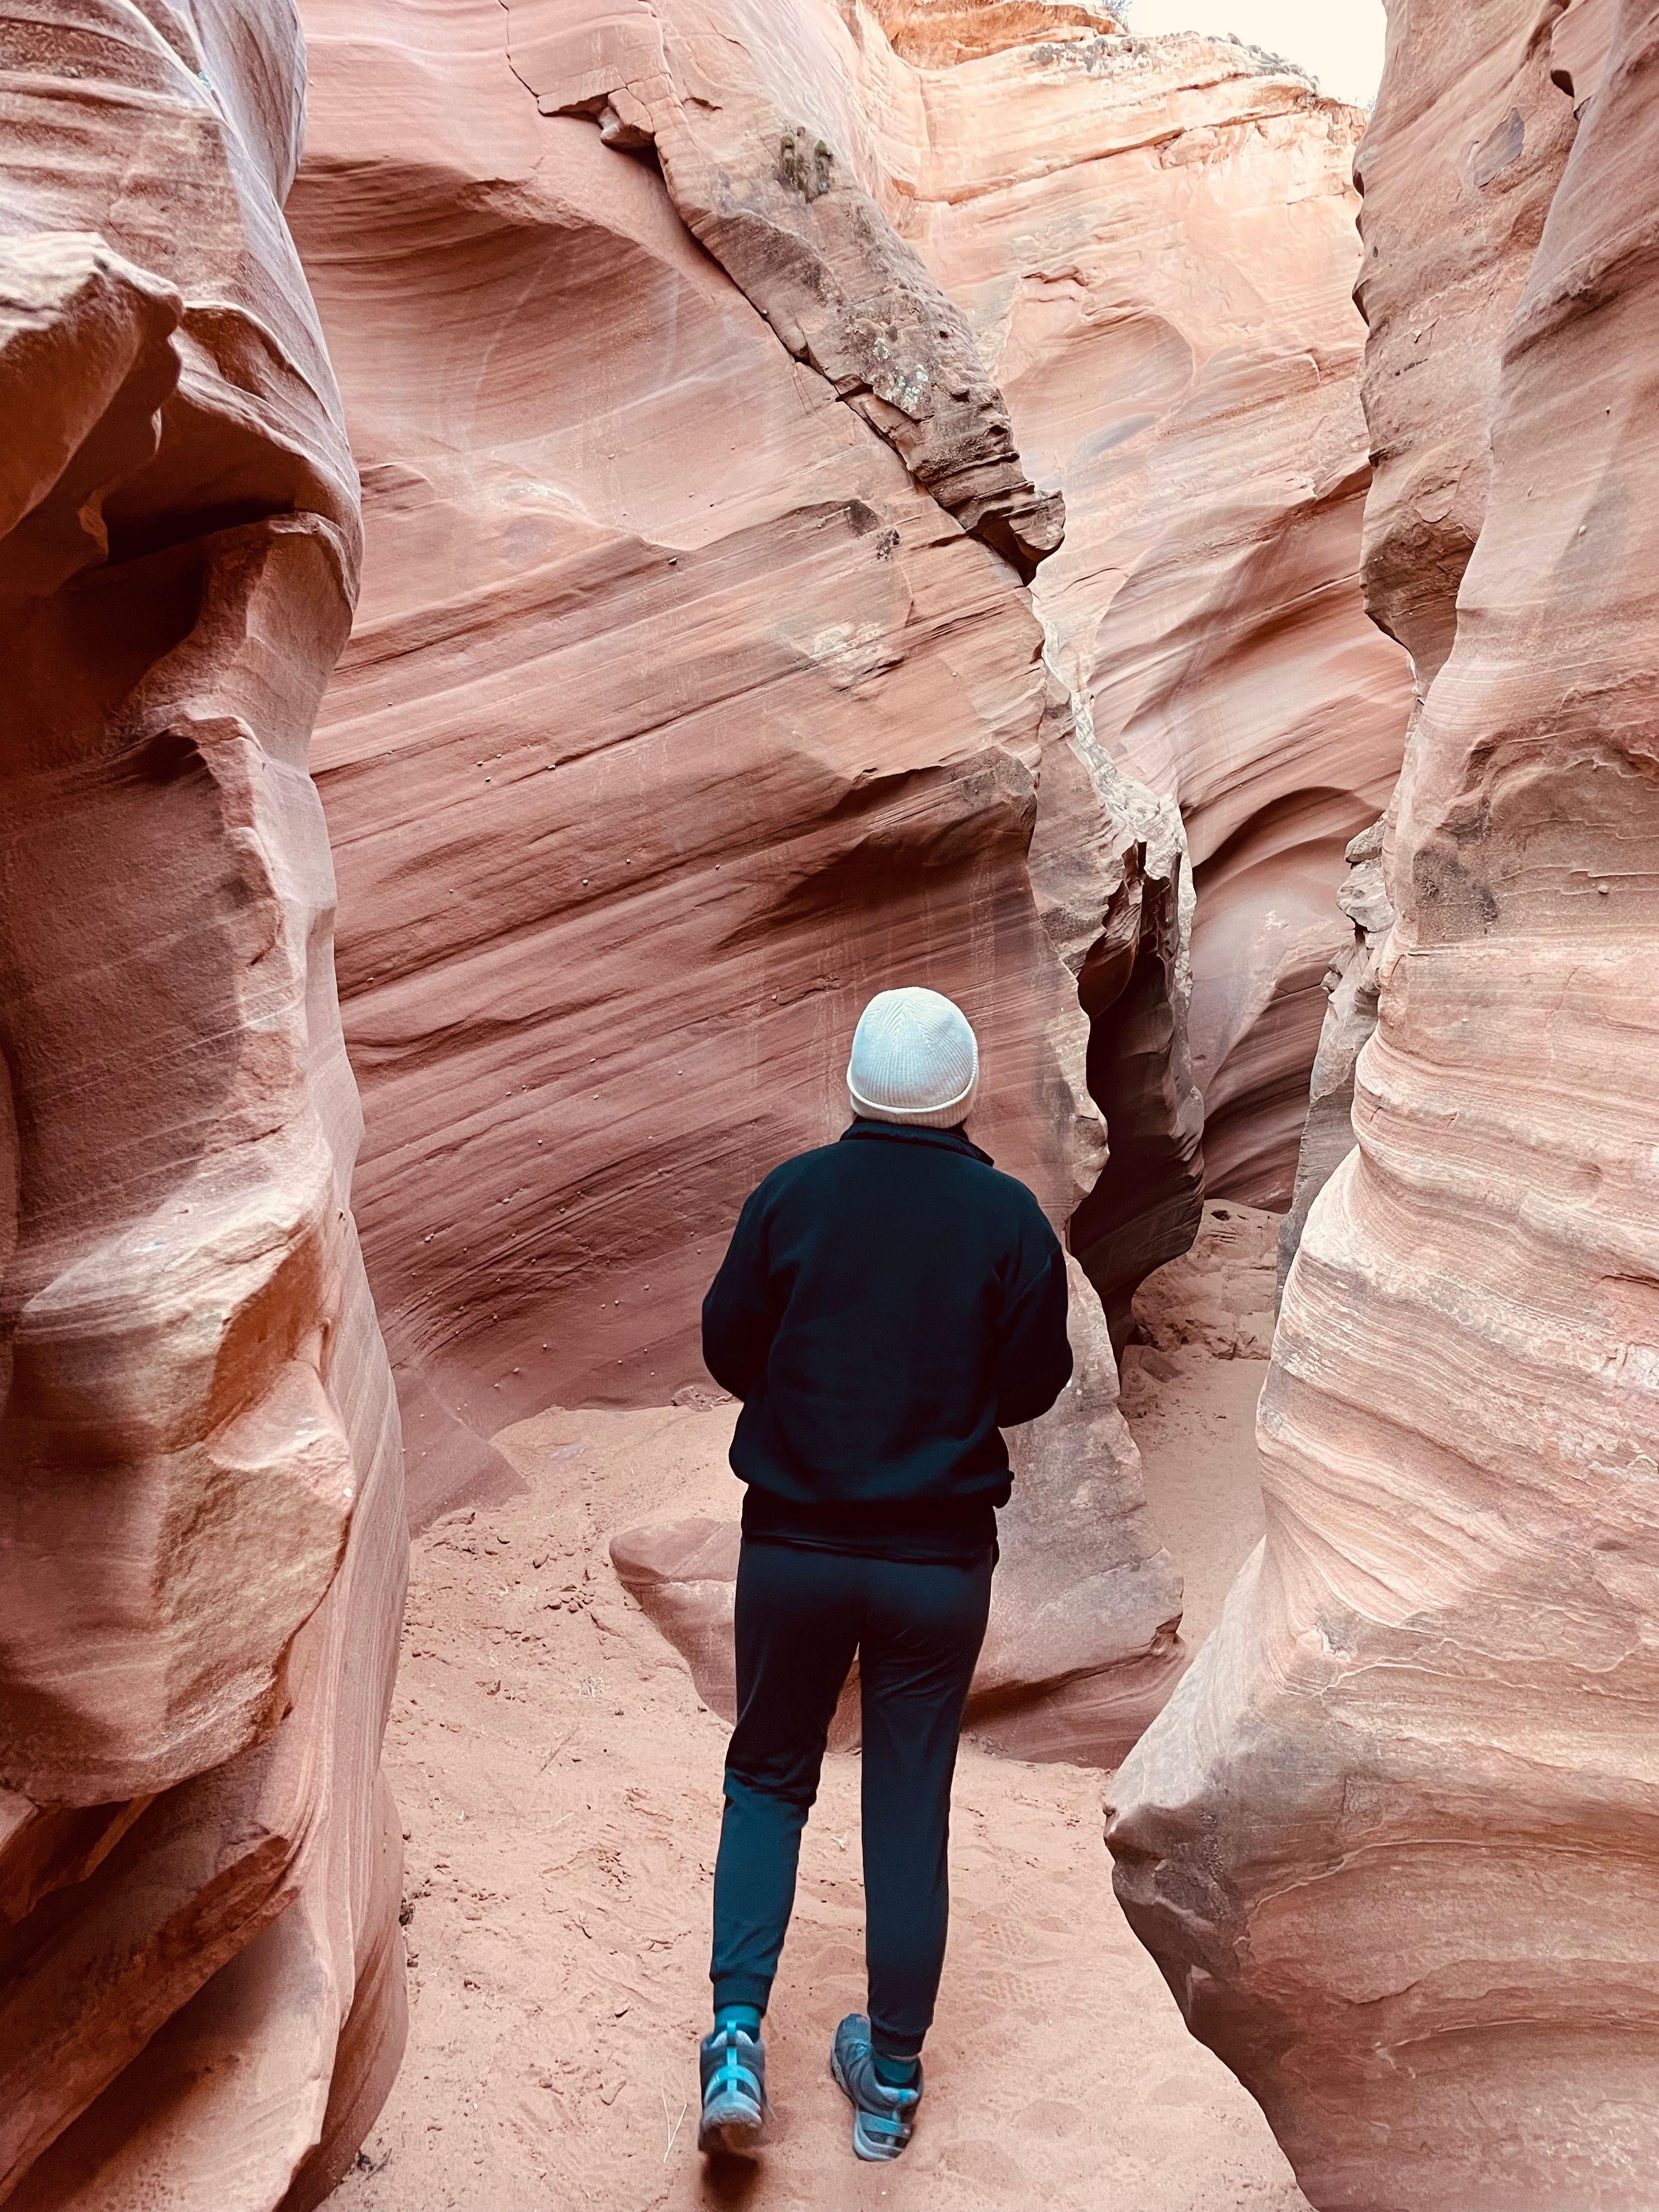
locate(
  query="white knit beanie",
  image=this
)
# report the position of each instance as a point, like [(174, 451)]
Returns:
[(914, 1060)]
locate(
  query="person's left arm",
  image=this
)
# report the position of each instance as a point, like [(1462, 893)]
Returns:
[(737, 1320), (1034, 1351)]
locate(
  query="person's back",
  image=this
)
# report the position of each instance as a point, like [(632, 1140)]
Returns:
[(888, 1304)]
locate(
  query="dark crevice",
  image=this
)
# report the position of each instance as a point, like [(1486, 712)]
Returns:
[(1146, 1206)]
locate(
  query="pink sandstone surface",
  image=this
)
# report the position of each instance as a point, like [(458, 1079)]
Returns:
[(766, 727), (1353, 984), (770, 725), (576, 429), (678, 717), (1154, 243), (696, 689), (1458, 172), (202, 1548), (1392, 1840)]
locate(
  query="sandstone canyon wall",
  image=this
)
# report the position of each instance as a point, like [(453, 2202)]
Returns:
[(1154, 242), (1393, 1839), (1458, 171), (679, 716), (201, 1515), (685, 484), (697, 359)]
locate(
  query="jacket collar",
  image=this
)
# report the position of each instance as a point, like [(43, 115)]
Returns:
[(904, 1132)]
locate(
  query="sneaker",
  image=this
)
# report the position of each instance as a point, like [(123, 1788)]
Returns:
[(882, 2118), (733, 2064)]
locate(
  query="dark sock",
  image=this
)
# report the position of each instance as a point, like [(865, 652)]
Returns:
[(895, 2072), (746, 2017)]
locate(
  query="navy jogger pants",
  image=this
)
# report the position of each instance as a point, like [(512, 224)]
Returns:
[(917, 1628)]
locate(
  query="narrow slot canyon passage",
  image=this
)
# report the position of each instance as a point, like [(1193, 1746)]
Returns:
[(553, 551), (559, 1781)]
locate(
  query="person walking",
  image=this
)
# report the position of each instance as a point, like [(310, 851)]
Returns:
[(889, 1304)]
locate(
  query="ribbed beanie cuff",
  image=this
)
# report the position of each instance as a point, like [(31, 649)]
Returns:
[(950, 1116)]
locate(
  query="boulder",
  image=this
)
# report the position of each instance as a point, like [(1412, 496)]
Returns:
[(684, 1574)]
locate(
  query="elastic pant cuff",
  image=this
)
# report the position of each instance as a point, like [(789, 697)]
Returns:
[(741, 1989), (895, 2046)]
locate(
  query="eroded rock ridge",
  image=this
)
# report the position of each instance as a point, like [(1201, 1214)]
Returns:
[(202, 1543), (1392, 1841)]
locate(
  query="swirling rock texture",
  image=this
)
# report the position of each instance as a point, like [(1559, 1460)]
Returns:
[(688, 483), (1352, 986), (1393, 1839), (1458, 171), (201, 1522), (662, 334), (1154, 243), (695, 690)]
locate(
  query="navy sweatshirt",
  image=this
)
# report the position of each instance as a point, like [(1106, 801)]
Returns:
[(889, 1304)]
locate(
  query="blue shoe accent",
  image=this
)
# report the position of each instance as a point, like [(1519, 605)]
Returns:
[(733, 2067), (882, 2117)]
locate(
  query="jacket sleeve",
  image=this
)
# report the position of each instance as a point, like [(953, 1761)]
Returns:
[(1034, 1352), (737, 1320)]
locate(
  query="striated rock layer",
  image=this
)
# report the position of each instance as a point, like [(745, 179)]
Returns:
[(1458, 171), (1352, 985), (1393, 1840), (201, 1520), (696, 692), (1154, 242)]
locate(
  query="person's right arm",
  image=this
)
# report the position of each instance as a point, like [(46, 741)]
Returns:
[(738, 1322)]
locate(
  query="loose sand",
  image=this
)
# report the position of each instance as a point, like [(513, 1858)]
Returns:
[(1190, 1394), (560, 1786)]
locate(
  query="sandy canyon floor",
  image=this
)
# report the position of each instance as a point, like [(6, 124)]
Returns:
[(560, 1786)]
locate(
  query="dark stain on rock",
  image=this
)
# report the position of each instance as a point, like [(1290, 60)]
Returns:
[(1498, 150)]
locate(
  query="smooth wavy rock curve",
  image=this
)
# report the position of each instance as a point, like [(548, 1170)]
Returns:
[(202, 1547), (1393, 1839)]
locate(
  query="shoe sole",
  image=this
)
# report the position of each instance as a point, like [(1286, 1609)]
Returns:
[(872, 2152), (731, 2127)]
